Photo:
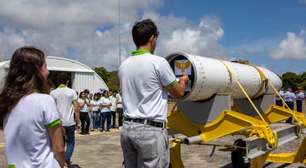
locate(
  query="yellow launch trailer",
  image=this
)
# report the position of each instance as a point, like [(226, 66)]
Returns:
[(261, 137), (240, 108)]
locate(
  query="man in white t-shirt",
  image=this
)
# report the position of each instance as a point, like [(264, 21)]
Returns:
[(113, 108), (145, 81), (119, 109), (300, 96), (66, 101)]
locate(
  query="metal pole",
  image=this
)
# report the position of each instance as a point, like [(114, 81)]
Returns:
[(119, 35)]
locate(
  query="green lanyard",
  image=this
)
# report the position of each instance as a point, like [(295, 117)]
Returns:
[(139, 52), (62, 86)]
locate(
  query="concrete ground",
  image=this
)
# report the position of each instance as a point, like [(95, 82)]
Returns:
[(103, 150)]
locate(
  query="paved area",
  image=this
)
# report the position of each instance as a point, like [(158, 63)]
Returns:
[(103, 150)]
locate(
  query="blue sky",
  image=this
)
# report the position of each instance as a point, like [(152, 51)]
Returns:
[(261, 24), (270, 33), (244, 20)]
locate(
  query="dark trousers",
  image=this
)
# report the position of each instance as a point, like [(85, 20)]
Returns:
[(120, 116), (69, 141), (113, 113), (85, 122), (96, 119), (299, 105), (279, 103), (291, 106), (105, 116)]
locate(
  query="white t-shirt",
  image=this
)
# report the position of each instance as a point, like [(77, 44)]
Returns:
[(64, 97), (105, 101), (84, 106), (95, 105), (27, 142), (300, 95), (114, 102), (119, 101), (289, 96), (143, 79)]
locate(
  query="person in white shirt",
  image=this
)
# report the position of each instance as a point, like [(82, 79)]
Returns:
[(105, 105), (119, 109), (67, 105), (300, 96), (95, 108), (145, 80), (113, 108), (84, 106), (32, 126), (289, 98), (279, 102)]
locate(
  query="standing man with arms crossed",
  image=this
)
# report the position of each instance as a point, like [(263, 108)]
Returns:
[(145, 81), (66, 102)]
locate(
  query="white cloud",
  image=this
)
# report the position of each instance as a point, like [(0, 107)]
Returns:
[(302, 2), (202, 39), (90, 27), (293, 46)]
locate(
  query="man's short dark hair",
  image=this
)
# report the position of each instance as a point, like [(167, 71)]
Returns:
[(142, 31), (63, 78)]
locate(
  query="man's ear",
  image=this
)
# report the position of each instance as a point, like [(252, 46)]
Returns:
[(152, 38)]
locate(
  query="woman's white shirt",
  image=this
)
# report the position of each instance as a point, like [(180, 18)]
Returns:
[(105, 101), (27, 142), (95, 105)]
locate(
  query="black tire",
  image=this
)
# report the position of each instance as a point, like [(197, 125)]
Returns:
[(237, 156)]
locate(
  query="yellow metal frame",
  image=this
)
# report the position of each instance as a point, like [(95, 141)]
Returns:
[(230, 122)]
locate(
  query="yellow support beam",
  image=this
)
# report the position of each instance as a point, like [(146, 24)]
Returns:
[(175, 154), (277, 113)]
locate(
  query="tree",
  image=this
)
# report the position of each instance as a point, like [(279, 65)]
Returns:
[(103, 73), (111, 78), (290, 80)]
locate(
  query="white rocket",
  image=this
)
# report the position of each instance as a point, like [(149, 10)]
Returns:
[(209, 76)]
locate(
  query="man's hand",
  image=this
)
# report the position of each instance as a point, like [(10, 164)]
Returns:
[(78, 125), (177, 89), (184, 79)]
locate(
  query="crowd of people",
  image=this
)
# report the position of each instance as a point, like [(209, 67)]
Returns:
[(100, 111), (294, 100)]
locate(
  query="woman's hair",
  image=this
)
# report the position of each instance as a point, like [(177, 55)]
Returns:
[(80, 95), (105, 93), (23, 78), (96, 96)]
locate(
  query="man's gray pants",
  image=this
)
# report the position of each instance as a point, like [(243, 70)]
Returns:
[(144, 146)]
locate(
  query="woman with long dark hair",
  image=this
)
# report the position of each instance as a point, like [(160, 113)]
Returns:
[(84, 105), (32, 128)]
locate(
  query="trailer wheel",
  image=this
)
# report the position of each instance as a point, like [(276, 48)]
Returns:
[(238, 155)]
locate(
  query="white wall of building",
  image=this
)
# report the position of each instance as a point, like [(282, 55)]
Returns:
[(83, 77)]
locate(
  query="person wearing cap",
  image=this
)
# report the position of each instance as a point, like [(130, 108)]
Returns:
[(145, 81), (300, 96)]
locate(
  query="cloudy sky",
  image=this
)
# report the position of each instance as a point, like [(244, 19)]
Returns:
[(268, 33)]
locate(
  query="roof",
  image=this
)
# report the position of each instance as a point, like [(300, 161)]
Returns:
[(61, 64)]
